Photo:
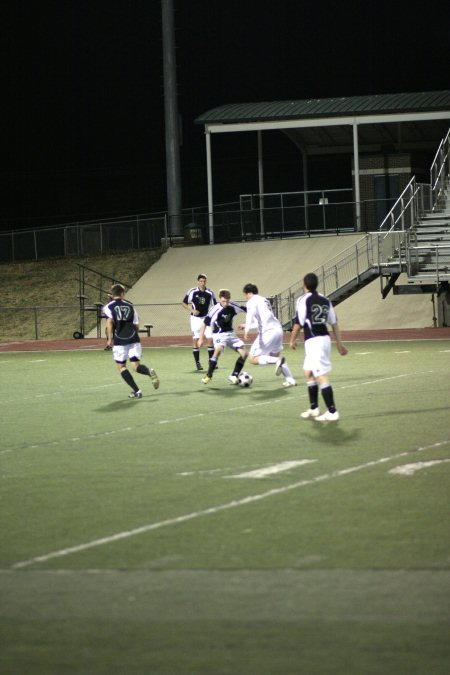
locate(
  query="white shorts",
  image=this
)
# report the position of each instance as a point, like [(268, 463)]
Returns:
[(123, 352), (269, 342), (196, 324), (228, 340), (317, 355)]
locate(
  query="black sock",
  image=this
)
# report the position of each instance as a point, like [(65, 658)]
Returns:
[(143, 370), (196, 353), (210, 352), (327, 393), (127, 376), (313, 393), (238, 366), (212, 366)]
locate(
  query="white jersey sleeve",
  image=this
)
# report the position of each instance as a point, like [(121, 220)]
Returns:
[(260, 314)]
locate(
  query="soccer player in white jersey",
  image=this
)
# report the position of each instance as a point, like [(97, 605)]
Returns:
[(122, 330), (268, 344), (313, 312)]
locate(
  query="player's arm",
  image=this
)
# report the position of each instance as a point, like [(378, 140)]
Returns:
[(191, 308), (250, 322), (342, 349), (109, 331), (295, 331), (188, 304)]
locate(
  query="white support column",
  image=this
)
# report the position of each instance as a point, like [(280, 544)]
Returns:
[(210, 188), (305, 187), (356, 169), (260, 182)]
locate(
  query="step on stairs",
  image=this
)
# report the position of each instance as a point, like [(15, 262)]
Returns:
[(433, 230)]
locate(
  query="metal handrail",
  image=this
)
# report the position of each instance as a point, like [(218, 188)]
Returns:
[(390, 246), (437, 180), (410, 195)]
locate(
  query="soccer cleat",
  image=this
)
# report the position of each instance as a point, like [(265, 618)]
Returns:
[(206, 379), (135, 394), (199, 366), (289, 382), (232, 379), (154, 378), (278, 367), (328, 417), (311, 412)]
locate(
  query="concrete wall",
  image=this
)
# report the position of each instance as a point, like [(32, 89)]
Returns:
[(273, 266)]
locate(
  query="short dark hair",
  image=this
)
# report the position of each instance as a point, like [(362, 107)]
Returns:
[(225, 293), (201, 276), (250, 288), (311, 281), (117, 289)]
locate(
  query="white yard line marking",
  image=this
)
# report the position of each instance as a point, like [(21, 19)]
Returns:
[(202, 472), (216, 509), (410, 469), (382, 379), (275, 468), (406, 351), (59, 393), (362, 353)]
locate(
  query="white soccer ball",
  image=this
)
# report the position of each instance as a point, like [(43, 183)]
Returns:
[(245, 379)]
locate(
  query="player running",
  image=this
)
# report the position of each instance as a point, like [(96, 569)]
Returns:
[(268, 344), (122, 330), (220, 319)]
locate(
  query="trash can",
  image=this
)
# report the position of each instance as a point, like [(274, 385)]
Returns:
[(193, 234)]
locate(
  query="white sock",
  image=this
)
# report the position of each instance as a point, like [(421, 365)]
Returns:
[(286, 370), (265, 360)]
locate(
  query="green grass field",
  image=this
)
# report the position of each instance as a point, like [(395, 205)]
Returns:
[(208, 530)]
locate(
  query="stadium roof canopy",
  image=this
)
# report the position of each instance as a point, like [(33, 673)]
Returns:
[(350, 125)]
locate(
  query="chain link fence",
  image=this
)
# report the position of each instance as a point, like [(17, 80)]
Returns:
[(234, 222), (65, 322)]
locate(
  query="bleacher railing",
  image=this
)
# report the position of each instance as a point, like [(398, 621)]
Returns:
[(390, 247), (369, 253), (292, 216), (440, 170)]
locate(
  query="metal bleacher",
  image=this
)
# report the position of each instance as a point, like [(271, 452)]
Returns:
[(413, 239)]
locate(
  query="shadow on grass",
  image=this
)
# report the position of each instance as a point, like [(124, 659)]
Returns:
[(241, 393), (394, 413), (331, 434), (123, 405)]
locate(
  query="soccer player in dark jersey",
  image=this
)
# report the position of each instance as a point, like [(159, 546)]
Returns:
[(313, 312), (198, 301), (220, 319), (122, 329)]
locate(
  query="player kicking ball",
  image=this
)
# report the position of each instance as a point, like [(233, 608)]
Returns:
[(220, 319), (268, 344)]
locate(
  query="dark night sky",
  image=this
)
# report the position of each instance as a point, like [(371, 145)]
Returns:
[(84, 127)]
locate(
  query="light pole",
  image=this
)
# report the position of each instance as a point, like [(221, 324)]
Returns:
[(172, 131)]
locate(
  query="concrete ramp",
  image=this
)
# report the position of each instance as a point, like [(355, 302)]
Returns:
[(366, 309), (273, 266)]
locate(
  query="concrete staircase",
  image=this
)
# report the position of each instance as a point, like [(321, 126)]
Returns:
[(429, 245)]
